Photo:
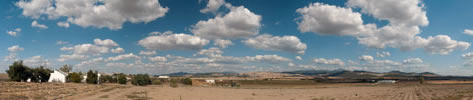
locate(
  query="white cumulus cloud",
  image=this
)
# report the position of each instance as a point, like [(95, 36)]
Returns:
[(63, 24), (15, 48), (404, 19), (36, 24), (123, 57), (87, 13), (14, 32), (148, 53), (222, 43), (327, 19), (290, 44), (298, 57), (87, 49), (468, 31), (173, 41), (325, 61), (118, 50), (106, 42), (366, 58), (158, 59), (238, 23), (413, 61), (213, 6)]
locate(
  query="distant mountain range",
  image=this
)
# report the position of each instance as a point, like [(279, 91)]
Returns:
[(339, 73), (359, 73), (208, 74)]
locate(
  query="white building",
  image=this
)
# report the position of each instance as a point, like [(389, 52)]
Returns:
[(84, 79), (210, 81), (57, 76), (165, 77), (387, 81)]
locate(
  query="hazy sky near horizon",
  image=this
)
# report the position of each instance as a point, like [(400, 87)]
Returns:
[(165, 36)]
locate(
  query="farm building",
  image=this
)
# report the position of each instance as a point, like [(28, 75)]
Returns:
[(387, 81), (58, 76), (201, 82), (210, 81), (84, 78), (163, 77)]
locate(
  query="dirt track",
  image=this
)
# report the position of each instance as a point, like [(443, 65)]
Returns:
[(340, 92)]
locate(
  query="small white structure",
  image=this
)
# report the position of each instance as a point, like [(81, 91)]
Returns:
[(84, 78), (163, 77), (210, 81), (57, 76), (387, 81)]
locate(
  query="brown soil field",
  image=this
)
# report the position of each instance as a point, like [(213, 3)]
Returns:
[(450, 82), (346, 91)]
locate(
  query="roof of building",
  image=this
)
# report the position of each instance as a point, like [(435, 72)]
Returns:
[(64, 73)]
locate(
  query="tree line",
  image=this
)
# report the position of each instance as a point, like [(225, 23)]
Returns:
[(18, 72)]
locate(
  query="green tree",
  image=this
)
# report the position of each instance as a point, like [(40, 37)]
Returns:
[(121, 78), (74, 77), (18, 72), (40, 74), (107, 78), (66, 68), (421, 80), (187, 81), (141, 80), (91, 77), (156, 82)]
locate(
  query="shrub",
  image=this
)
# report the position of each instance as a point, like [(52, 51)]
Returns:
[(107, 78), (141, 80), (91, 77), (187, 81), (74, 77), (421, 80), (121, 78), (18, 72), (173, 83), (156, 82), (40, 74)]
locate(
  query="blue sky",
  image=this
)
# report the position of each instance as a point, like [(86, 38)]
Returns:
[(253, 35)]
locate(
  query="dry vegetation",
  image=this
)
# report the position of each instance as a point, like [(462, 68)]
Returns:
[(359, 91), (46, 91)]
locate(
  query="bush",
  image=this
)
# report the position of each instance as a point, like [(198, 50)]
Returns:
[(121, 78), (156, 82), (141, 80), (18, 72), (421, 80), (107, 78), (74, 77), (91, 77), (40, 74), (186, 81), (173, 83)]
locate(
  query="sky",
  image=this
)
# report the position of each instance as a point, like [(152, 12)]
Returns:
[(166, 36)]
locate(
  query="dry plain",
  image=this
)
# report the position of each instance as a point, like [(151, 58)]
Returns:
[(442, 90)]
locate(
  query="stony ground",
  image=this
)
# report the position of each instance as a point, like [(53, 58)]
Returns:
[(401, 91)]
